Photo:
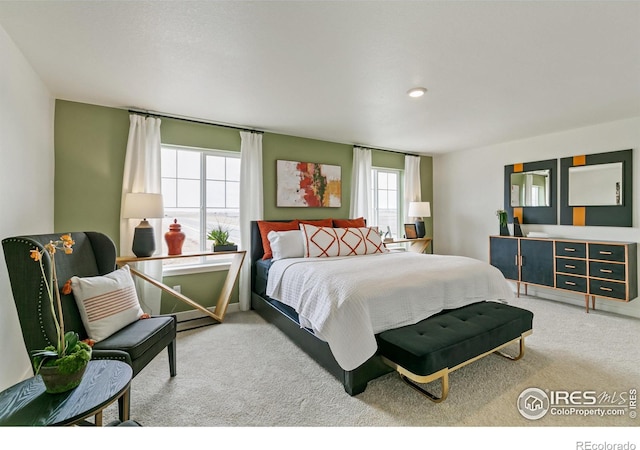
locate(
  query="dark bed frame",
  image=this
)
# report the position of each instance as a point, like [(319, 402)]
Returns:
[(354, 381)]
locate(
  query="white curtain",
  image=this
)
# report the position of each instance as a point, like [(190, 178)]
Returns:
[(361, 185), (142, 174), (412, 188), (251, 205)]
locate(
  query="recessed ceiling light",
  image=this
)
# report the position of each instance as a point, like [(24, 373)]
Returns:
[(416, 92)]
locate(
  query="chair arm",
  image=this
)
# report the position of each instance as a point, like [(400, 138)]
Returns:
[(175, 318), (119, 355)]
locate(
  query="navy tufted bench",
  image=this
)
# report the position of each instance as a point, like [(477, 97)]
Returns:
[(429, 350)]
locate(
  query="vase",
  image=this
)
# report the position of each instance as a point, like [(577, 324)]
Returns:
[(174, 238), (504, 230), (56, 382)]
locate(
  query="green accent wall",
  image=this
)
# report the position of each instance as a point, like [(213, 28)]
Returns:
[(191, 134), (279, 147), (90, 143), (90, 146), (202, 287)]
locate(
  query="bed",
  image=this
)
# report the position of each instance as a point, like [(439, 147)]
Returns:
[(334, 307)]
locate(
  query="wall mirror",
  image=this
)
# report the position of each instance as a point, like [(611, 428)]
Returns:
[(531, 188), (530, 191), (596, 189), (596, 185)]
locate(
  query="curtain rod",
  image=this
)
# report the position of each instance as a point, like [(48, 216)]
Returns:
[(234, 127), (386, 150), (191, 119)]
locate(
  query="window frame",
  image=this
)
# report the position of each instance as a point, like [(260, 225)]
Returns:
[(204, 264), (399, 200)]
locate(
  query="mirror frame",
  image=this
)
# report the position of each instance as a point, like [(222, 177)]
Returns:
[(606, 215), (533, 214)]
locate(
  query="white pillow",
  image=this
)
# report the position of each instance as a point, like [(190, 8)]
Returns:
[(107, 303), (326, 242), (286, 244)]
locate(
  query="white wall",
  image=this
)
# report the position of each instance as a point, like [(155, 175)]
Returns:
[(468, 189), (26, 183)]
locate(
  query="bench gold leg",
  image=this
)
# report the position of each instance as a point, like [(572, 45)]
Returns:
[(445, 388), (513, 358), (443, 375)]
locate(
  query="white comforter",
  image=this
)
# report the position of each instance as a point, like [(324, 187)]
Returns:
[(347, 300)]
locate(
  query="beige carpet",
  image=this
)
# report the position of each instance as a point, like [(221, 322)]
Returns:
[(246, 373)]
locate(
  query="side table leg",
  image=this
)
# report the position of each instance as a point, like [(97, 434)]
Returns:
[(124, 403)]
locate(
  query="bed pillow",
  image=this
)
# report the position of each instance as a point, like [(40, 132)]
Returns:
[(107, 303), (266, 226), (348, 223), (286, 244), (318, 223), (328, 241)]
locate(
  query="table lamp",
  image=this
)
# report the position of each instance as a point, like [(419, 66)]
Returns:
[(143, 206), (419, 210)]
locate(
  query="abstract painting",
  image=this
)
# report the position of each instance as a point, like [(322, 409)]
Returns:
[(305, 184)]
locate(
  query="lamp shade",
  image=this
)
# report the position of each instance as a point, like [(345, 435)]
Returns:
[(419, 209), (142, 206)]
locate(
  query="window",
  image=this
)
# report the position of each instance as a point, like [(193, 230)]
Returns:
[(386, 195), (201, 189)]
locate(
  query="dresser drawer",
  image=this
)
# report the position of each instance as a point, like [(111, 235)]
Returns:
[(607, 252), (574, 266), (572, 249), (608, 289), (610, 271), (578, 284)]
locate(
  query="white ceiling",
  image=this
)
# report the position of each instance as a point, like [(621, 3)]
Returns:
[(339, 71)]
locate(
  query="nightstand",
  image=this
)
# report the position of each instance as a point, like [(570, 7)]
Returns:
[(417, 245)]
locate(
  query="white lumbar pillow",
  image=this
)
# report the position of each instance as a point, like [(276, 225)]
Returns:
[(286, 244)]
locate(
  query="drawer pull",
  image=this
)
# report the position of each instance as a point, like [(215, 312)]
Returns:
[(602, 288), (570, 283), (569, 249), (602, 252), (569, 266), (606, 271)]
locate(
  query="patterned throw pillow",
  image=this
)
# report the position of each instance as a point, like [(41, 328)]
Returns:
[(318, 222), (107, 303), (326, 242)]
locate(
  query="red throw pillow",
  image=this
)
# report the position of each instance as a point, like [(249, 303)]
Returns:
[(317, 223), (349, 223), (266, 226)]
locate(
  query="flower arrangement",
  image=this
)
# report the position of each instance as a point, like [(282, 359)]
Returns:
[(69, 354)]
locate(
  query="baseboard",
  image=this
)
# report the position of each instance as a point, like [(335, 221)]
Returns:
[(188, 320)]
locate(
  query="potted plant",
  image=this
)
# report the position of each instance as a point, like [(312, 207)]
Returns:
[(220, 238), (502, 218), (62, 365)]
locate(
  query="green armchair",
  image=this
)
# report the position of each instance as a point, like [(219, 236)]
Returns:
[(93, 254)]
